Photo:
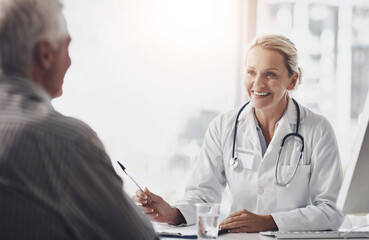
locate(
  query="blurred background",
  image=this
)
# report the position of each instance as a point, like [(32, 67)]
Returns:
[(149, 76)]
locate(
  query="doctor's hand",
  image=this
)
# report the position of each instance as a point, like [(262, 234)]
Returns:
[(245, 221), (157, 209)]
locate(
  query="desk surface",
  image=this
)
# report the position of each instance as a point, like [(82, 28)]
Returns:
[(191, 230)]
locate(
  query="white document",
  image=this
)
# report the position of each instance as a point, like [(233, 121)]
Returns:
[(183, 230)]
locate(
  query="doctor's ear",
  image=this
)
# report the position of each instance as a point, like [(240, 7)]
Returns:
[(293, 82)]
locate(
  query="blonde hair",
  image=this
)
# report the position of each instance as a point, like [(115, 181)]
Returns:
[(282, 45)]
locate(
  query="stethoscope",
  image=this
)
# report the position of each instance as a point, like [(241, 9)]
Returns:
[(233, 163)]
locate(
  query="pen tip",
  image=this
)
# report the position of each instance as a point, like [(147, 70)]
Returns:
[(121, 165)]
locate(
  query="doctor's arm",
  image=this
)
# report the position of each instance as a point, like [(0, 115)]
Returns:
[(325, 183)]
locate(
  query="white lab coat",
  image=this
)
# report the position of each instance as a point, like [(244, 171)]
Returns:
[(309, 203)]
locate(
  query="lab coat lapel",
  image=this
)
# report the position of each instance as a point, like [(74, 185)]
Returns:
[(285, 126), (282, 130), (248, 123)]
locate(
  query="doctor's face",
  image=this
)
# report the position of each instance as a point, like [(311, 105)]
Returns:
[(267, 79)]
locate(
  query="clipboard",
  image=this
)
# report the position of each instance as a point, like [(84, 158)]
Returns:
[(176, 235), (185, 236)]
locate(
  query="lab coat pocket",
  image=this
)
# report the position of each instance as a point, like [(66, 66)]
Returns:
[(246, 158), (297, 194)]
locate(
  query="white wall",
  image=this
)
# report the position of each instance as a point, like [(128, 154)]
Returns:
[(141, 68)]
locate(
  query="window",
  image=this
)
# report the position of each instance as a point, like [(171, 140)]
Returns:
[(332, 40), (148, 77)]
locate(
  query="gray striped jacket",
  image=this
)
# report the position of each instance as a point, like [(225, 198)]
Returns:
[(56, 180)]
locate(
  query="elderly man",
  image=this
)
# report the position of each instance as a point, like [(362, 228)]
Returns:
[(56, 181)]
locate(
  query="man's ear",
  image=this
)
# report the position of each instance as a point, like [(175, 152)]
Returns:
[(293, 82), (44, 54)]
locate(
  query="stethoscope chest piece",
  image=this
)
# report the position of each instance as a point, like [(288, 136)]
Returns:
[(233, 163)]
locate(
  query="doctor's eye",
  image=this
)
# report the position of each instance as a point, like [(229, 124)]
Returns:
[(270, 74), (250, 72)]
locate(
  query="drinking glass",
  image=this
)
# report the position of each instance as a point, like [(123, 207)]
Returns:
[(207, 220)]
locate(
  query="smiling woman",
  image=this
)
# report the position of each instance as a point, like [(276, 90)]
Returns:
[(267, 81), (271, 71), (272, 122)]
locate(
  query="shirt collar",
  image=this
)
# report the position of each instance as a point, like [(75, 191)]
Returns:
[(19, 85)]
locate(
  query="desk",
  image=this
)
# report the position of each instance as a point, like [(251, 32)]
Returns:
[(192, 230)]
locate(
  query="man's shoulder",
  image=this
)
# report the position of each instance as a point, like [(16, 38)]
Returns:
[(65, 127)]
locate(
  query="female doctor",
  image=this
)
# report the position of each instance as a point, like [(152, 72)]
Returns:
[(279, 159)]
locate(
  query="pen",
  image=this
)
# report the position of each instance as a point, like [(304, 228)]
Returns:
[(176, 235), (124, 170)]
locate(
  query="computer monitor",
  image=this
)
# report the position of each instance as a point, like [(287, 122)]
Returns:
[(354, 194)]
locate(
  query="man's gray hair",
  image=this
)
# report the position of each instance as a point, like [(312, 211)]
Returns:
[(23, 23)]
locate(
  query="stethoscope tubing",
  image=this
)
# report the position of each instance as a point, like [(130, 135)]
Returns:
[(235, 129)]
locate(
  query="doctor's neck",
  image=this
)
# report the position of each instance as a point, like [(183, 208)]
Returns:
[(268, 117)]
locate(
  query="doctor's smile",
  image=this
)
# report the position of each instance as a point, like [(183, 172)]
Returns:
[(263, 94)]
